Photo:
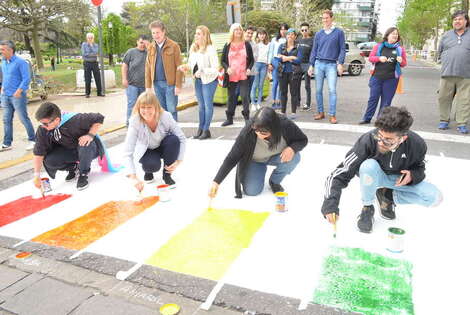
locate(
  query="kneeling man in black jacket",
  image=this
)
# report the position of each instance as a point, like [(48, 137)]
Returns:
[(390, 163)]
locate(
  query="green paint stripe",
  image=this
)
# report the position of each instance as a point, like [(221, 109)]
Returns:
[(207, 247), (355, 280)]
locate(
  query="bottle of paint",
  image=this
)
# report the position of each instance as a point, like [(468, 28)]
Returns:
[(281, 201), (46, 184), (164, 192), (395, 240)]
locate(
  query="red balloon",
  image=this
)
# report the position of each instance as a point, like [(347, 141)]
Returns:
[(97, 2)]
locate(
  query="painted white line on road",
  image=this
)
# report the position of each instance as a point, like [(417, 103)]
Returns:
[(123, 275), (20, 243), (77, 254), (322, 141), (442, 154), (351, 128), (210, 299), (218, 138)]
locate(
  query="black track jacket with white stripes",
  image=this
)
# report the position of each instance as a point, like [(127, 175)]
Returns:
[(408, 156)]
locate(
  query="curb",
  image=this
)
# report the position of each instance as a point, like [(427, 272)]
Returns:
[(29, 156)]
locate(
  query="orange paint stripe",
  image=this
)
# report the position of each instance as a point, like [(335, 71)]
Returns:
[(83, 231)]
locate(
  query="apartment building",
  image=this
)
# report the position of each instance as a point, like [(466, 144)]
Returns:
[(360, 16)]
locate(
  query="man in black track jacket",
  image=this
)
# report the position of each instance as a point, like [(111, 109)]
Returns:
[(389, 161)]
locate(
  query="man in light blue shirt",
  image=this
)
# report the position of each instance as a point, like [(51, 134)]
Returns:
[(15, 83)]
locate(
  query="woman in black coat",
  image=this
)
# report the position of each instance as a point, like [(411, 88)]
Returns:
[(268, 139)]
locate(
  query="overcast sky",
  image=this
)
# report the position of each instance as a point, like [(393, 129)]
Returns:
[(390, 10)]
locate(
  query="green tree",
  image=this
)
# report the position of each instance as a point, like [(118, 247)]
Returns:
[(269, 20), (31, 18), (117, 37), (424, 19)]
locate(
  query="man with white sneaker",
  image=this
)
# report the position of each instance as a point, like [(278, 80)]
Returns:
[(15, 83)]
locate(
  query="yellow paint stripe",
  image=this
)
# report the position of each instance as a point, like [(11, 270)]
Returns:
[(207, 247), (29, 156)]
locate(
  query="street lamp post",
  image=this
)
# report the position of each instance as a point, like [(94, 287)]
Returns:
[(100, 48)]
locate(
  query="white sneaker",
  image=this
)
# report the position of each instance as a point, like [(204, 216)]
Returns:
[(253, 108), (5, 147), (30, 145)]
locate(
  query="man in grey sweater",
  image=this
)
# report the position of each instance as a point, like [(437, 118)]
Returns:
[(454, 54)]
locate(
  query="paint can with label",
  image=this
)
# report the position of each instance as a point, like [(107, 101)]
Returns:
[(395, 240), (281, 201), (164, 192), (46, 184)]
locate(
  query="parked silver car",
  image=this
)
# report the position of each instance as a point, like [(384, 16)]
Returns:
[(355, 60)]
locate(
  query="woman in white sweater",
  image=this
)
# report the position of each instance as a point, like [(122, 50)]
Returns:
[(260, 49), (153, 135), (204, 67)]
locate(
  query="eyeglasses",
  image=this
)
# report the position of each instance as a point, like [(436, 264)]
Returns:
[(46, 124), (386, 142), (304, 30)]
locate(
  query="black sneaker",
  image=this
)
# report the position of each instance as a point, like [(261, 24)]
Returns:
[(227, 122), (148, 178), (82, 182), (387, 206), (70, 176), (276, 187), (366, 219), (168, 180)]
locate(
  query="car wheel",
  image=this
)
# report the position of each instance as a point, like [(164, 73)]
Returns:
[(355, 68)]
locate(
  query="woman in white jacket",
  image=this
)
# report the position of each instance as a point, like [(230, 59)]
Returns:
[(153, 135), (204, 67)]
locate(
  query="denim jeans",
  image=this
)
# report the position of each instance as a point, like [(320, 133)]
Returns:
[(275, 87), (253, 183), (65, 159), (326, 69), (261, 69), (308, 88), (166, 96), (372, 177), (205, 98), (11, 104), (379, 89), (132, 93)]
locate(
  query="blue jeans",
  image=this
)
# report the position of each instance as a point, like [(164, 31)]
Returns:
[(253, 183), (166, 96), (205, 98), (275, 87), (379, 89), (326, 69), (11, 104), (372, 177), (258, 83), (132, 93)]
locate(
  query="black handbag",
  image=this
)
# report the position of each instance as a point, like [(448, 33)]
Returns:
[(226, 79)]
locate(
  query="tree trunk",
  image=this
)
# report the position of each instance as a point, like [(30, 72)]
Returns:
[(465, 5), (37, 47), (111, 61), (27, 44)]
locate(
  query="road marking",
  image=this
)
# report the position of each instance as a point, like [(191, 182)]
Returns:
[(76, 254), (218, 138), (19, 243), (124, 274), (351, 128), (210, 299), (442, 154), (322, 141)]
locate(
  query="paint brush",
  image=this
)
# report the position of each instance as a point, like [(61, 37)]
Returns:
[(334, 225), (210, 204)]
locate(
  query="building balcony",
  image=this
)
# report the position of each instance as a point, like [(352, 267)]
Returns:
[(364, 24)]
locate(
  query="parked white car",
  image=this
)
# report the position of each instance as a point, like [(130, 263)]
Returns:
[(355, 60)]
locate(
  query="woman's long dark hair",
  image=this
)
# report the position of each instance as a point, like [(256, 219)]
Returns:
[(266, 119), (284, 26)]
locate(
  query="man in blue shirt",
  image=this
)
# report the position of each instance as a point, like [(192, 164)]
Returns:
[(15, 83), (327, 59), (90, 64)]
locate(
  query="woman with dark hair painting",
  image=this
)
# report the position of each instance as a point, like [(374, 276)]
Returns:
[(269, 139), (273, 63), (387, 59)]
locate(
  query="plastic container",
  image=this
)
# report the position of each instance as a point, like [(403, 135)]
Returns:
[(395, 240), (164, 192), (281, 201), (46, 184)]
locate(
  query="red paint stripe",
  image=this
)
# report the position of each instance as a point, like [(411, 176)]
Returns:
[(26, 206)]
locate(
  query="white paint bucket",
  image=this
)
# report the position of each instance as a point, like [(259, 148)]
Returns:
[(164, 192), (395, 240)]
